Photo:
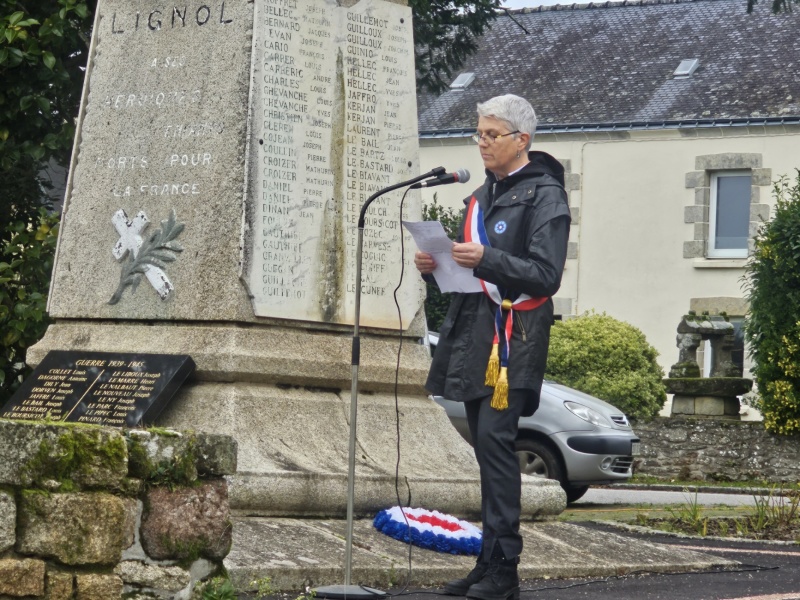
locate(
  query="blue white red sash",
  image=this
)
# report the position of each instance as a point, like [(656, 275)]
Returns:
[(507, 302)]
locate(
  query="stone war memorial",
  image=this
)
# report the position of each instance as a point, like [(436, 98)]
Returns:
[(224, 150)]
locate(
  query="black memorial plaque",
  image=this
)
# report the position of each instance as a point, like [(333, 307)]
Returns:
[(103, 388)]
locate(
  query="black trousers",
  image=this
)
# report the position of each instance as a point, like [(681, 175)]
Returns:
[(493, 434)]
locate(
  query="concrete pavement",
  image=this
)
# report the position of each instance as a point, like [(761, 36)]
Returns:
[(300, 553), (613, 496)]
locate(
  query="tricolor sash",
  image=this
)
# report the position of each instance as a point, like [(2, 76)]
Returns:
[(507, 302)]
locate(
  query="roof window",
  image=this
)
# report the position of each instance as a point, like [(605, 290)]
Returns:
[(462, 81), (686, 68)]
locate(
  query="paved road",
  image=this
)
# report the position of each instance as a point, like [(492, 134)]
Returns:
[(767, 572)]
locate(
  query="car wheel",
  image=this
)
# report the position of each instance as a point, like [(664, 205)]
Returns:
[(537, 459), (575, 493)]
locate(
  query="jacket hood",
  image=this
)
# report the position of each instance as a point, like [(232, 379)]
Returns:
[(541, 163)]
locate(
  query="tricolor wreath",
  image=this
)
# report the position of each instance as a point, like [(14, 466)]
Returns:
[(429, 529)]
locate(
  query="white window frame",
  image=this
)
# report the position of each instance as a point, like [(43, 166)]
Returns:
[(713, 252)]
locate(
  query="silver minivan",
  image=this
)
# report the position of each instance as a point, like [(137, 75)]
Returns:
[(573, 437)]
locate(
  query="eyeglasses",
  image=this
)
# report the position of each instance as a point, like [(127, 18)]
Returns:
[(490, 139)]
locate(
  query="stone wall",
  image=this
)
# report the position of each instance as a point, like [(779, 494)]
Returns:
[(716, 450), (92, 513)]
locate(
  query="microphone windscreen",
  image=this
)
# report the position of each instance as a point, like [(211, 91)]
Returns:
[(463, 175)]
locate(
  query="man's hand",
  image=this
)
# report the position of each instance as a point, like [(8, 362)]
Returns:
[(468, 254), (424, 263)]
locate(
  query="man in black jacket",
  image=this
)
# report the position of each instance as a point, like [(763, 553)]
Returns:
[(492, 348)]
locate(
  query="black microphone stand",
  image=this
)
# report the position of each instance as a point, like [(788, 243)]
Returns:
[(359, 592)]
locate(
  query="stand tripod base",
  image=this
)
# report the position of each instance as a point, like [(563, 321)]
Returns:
[(343, 592)]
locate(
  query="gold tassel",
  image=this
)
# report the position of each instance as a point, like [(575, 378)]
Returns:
[(500, 396), (493, 367)]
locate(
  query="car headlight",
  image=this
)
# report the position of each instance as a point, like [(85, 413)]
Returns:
[(587, 414)]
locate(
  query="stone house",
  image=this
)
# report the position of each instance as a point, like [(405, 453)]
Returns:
[(672, 118)]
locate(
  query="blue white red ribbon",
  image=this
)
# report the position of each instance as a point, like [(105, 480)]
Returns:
[(475, 231), (429, 529), (496, 370)]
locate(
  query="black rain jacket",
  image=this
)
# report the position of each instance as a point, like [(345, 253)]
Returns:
[(527, 220)]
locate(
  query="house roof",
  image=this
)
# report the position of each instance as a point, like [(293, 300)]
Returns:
[(605, 64)]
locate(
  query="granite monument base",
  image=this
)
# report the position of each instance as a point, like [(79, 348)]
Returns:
[(707, 396), (284, 395), (706, 406)]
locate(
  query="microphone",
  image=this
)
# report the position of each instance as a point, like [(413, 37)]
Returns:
[(459, 176)]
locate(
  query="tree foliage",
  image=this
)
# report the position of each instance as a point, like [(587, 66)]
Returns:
[(610, 359), (772, 327), (445, 35), (43, 47), (436, 302), (26, 261)]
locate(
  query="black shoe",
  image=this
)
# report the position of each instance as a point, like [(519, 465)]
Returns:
[(459, 587), (500, 582)]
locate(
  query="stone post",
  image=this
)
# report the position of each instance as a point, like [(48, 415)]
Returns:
[(721, 356), (687, 356)]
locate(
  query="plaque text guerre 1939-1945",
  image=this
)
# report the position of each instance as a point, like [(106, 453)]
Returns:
[(102, 388)]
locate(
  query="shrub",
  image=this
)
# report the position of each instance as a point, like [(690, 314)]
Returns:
[(610, 359), (26, 261), (436, 302), (772, 284)]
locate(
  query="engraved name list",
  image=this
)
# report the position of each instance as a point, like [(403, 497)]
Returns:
[(335, 122)]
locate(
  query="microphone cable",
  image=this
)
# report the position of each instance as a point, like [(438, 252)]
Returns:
[(400, 504), (396, 387), (397, 395), (402, 591)]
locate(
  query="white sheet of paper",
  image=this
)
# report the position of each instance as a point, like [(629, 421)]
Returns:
[(450, 277)]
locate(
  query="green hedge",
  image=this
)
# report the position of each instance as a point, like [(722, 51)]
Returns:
[(773, 324), (610, 359)]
